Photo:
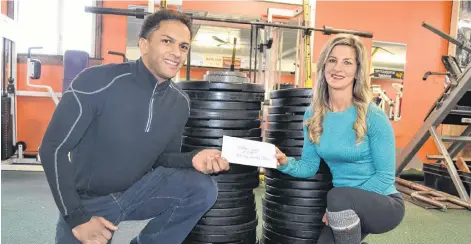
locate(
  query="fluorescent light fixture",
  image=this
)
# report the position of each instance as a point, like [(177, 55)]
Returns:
[(384, 57)]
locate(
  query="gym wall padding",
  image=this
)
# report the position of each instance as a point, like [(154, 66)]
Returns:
[(74, 63), (34, 113)]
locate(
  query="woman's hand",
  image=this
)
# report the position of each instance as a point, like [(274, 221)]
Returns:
[(324, 219), (281, 157)]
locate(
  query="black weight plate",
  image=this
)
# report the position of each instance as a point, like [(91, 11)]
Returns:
[(215, 123), (303, 202), (189, 148), (234, 194), (293, 184), (225, 229), (239, 186), (292, 217), (225, 96), (291, 150), (198, 141), (220, 86), (291, 92), (249, 197), (219, 133), (224, 114), (236, 220), (246, 241), (287, 110), (294, 233), (292, 209), (230, 212), (233, 203), (240, 169), (199, 104), (236, 177), (249, 235), (284, 134), (291, 225), (283, 192), (285, 118), (266, 240), (276, 174), (285, 126), (286, 239), (291, 101), (285, 142)]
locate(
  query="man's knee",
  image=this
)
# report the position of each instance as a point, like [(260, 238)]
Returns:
[(204, 189), (338, 199)]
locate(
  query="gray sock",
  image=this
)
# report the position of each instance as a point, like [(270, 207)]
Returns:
[(345, 226)]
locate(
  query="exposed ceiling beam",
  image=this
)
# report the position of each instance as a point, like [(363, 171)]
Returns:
[(198, 26)]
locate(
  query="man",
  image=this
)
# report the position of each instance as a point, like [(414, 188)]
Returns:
[(122, 124)]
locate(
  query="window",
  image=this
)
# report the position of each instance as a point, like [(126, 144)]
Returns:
[(56, 26)]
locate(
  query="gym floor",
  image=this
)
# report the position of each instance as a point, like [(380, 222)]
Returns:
[(29, 215)]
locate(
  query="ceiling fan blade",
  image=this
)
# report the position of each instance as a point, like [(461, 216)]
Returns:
[(218, 39), (384, 49)]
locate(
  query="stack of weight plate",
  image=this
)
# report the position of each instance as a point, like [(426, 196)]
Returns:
[(230, 109), (292, 207)]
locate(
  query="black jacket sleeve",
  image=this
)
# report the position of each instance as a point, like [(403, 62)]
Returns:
[(70, 120), (174, 158)]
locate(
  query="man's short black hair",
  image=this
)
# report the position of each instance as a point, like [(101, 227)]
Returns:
[(152, 22)]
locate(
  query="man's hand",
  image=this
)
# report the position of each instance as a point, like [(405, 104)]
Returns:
[(281, 157), (209, 161), (96, 231)]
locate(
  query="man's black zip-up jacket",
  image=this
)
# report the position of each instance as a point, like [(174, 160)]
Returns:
[(118, 123)]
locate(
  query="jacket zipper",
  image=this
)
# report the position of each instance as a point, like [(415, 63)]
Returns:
[(151, 110)]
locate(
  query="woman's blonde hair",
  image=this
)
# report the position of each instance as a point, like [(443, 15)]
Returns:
[(362, 94)]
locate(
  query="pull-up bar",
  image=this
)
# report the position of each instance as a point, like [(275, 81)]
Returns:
[(140, 14)]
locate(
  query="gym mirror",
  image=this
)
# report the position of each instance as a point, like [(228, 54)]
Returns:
[(388, 61)]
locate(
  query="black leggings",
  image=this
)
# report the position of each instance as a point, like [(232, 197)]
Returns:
[(378, 213)]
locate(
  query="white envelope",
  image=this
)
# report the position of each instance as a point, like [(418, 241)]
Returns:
[(247, 152)]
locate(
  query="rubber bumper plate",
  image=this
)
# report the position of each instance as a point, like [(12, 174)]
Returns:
[(221, 86), (291, 92), (219, 133)]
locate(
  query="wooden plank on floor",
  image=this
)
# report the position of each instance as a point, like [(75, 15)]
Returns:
[(22, 167)]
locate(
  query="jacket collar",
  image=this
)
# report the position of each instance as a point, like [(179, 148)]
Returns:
[(143, 75)]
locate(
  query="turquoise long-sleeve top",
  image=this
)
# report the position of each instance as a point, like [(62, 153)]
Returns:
[(370, 166)]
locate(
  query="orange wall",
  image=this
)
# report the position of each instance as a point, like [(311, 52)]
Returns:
[(4, 7), (401, 24)]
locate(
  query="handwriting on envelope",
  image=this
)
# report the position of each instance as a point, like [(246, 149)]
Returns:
[(248, 152)]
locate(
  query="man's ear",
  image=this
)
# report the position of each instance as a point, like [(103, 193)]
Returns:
[(143, 46)]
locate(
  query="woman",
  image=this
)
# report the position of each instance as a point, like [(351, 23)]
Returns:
[(356, 140)]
